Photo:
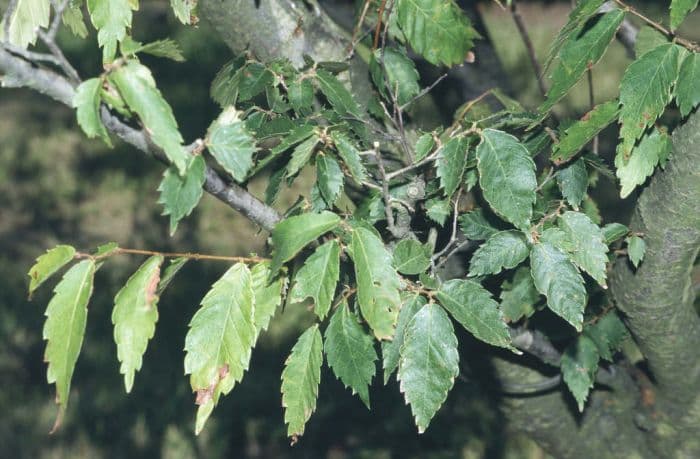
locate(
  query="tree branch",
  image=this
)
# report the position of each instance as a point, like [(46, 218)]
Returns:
[(20, 73)]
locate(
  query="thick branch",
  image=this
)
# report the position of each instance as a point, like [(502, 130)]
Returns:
[(20, 73)]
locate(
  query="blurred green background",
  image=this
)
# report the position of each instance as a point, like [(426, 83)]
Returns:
[(59, 187)]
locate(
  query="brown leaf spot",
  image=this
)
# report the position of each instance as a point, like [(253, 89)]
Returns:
[(151, 287), (205, 395)]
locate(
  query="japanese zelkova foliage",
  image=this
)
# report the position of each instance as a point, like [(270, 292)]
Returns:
[(504, 191)]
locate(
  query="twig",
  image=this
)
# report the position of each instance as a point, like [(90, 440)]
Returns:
[(391, 226), (190, 255), (60, 57), (549, 176), (420, 163), (453, 236), (380, 14), (459, 247), (591, 103), (544, 385), (525, 36), (468, 107), (354, 40), (58, 9), (424, 91)]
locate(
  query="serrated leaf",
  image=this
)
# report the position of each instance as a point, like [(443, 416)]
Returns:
[(636, 247), (436, 29), (47, 265), (231, 144), (181, 194), (255, 77), (294, 233), (377, 283), (318, 278), (679, 10), (688, 89), (300, 380), (581, 51), (25, 21), (645, 91), (73, 19), (644, 159), (558, 239), (169, 273), (137, 87), (268, 296), (648, 38), (577, 136), (473, 307), (64, 329), (557, 278), (519, 296), (184, 10), (507, 177), (350, 156), (438, 210), (111, 18), (220, 339), (167, 48), (452, 159), (503, 250), (411, 257), (614, 231), (394, 74), (579, 365), (87, 101), (134, 317), (300, 93), (424, 145), (429, 363), (225, 87), (301, 155), (590, 250), (350, 352), (607, 333), (573, 182), (475, 226), (330, 178), (337, 94), (391, 349)]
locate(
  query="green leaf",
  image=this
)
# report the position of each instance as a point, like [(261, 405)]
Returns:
[(134, 317), (302, 155), (636, 247), (350, 156), (169, 274), (64, 329), (167, 48), (268, 296), (300, 93), (581, 51), (584, 10), (25, 21), (391, 349), (220, 339), (47, 265), (507, 177), (180, 195), (337, 94), (641, 164), (377, 282), (424, 145), (475, 226), (429, 363), (518, 297), (614, 231), (579, 365), (577, 136), (573, 182), (679, 10), (452, 159), (111, 18), (350, 352), (645, 91), (231, 144), (225, 87), (437, 30), (401, 79), (73, 19), (590, 250), (294, 233), (330, 178), (184, 10), (472, 306), (318, 278), (688, 89), (300, 380), (438, 210), (503, 250), (137, 87), (87, 102), (557, 278), (607, 333), (255, 77), (411, 257), (648, 38)]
